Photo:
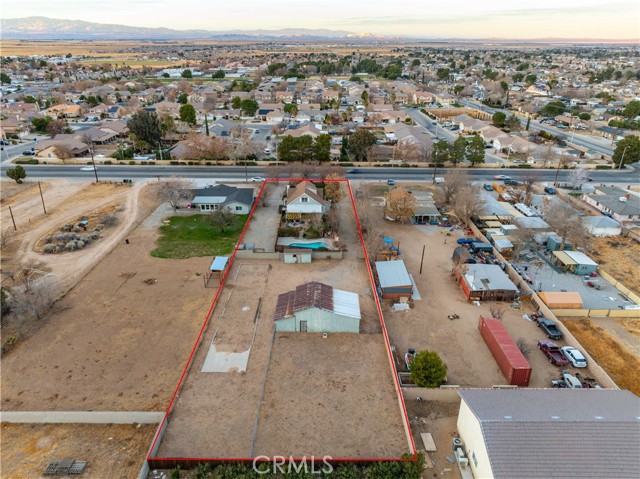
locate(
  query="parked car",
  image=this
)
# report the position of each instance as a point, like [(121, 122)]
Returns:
[(487, 187), (29, 153), (567, 381), (4, 143), (466, 240), (552, 351), (438, 180), (550, 328), (267, 151), (511, 182), (550, 190), (574, 356), (391, 182)]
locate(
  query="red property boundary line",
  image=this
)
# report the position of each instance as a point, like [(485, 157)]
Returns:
[(157, 461)]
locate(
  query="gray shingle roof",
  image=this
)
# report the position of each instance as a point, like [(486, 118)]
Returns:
[(548, 433)]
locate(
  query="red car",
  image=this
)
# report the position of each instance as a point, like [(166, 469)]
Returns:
[(552, 351)]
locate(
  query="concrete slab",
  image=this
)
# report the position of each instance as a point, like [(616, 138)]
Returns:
[(223, 362)]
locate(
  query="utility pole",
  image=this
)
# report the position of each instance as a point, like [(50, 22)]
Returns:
[(15, 228), (422, 259), (622, 158), (555, 180), (435, 165), (42, 198)]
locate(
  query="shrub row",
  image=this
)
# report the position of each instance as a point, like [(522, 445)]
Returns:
[(30, 161)]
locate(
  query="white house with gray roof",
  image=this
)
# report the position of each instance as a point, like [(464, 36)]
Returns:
[(236, 200), (551, 433), (617, 203)]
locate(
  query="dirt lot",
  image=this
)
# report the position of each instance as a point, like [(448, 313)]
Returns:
[(118, 340), (611, 347), (458, 342), (111, 451), (340, 390), (620, 257), (201, 420), (440, 419)]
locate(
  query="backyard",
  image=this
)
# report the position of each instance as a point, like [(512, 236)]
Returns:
[(193, 236)]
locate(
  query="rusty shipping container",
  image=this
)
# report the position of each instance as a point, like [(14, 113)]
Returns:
[(513, 364)]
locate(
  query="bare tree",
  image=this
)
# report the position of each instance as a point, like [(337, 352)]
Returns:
[(223, 219), (577, 178), (7, 236), (520, 238), (524, 347), (199, 147), (405, 152), (565, 221), (63, 152), (529, 180), (333, 220), (174, 191), (467, 203), (497, 310), (372, 226), (38, 299), (454, 180), (401, 205)]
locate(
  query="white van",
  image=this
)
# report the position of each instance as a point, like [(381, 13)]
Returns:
[(438, 179)]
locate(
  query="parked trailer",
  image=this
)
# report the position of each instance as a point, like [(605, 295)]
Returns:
[(512, 363)]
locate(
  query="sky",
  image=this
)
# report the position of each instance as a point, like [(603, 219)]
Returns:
[(602, 19)]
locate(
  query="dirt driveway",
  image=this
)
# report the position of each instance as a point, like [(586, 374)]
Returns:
[(458, 342)]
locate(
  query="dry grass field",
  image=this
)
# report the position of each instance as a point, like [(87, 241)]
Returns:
[(620, 257), (621, 364), (111, 451)]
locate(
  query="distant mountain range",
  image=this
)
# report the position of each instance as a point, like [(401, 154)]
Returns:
[(44, 28)]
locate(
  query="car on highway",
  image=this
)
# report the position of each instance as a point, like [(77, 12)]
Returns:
[(87, 168), (257, 178), (502, 177), (29, 153), (353, 171), (487, 187), (574, 356)]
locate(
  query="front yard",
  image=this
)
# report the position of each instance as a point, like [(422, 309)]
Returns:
[(193, 236)]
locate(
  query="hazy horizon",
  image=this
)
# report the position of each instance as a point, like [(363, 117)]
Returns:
[(573, 19)]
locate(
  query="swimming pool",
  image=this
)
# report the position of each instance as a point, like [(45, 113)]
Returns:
[(316, 245)]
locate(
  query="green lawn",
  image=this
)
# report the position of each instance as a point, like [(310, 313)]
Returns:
[(191, 236)]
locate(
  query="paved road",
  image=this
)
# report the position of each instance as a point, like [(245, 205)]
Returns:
[(82, 417), (119, 172), (598, 144)]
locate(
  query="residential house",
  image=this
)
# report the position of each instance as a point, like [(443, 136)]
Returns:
[(485, 282), (49, 148), (620, 204), (317, 308), (65, 111), (602, 226), (305, 199), (510, 433), (237, 200), (306, 129)]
